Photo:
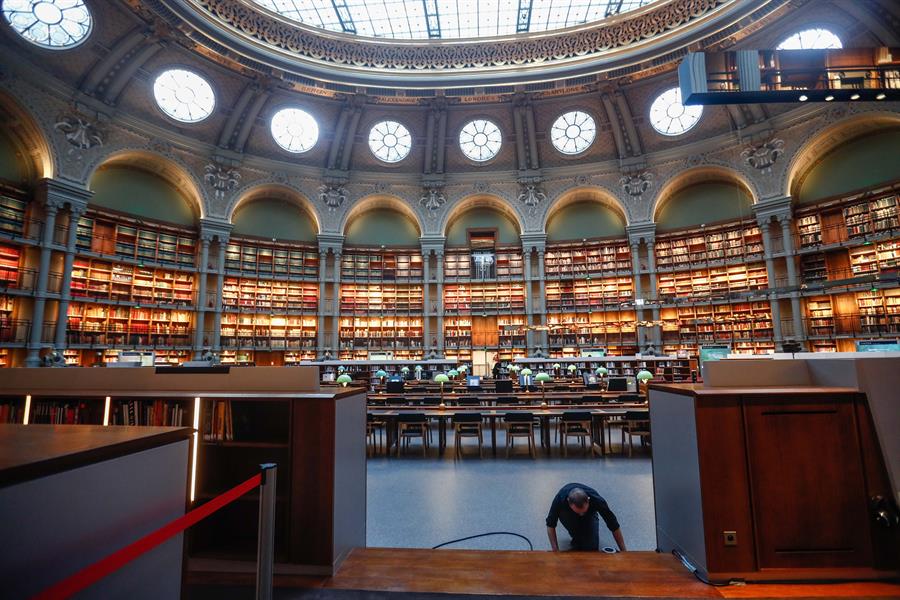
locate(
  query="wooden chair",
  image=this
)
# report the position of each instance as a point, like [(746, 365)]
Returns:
[(520, 425), (374, 433), (409, 426), (635, 423), (575, 424), (468, 425)]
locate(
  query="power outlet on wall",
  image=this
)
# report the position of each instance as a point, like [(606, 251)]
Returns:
[(730, 538)]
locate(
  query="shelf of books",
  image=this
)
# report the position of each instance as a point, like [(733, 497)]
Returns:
[(592, 258), (872, 212), (10, 265), (275, 332), (105, 325), (485, 298), (457, 333), (4, 362), (729, 242), (873, 216), (664, 368), (401, 335), (616, 332), (713, 281), (813, 268), (248, 294), (504, 263), (256, 257), (585, 294), (875, 258), (136, 239), (820, 315), (745, 323), (879, 311), (374, 264), (511, 332), (365, 299), (123, 282), (13, 216)]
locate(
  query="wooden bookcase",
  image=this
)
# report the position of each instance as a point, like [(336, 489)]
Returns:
[(588, 294), (457, 333), (375, 264), (879, 311), (366, 299), (875, 258), (820, 315), (107, 325), (615, 331), (590, 258), (395, 333), (712, 281), (13, 215), (272, 331), (855, 216), (727, 242), (256, 257), (748, 323), (136, 239), (474, 298), (10, 265), (511, 332), (508, 263), (123, 282), (249, 294)]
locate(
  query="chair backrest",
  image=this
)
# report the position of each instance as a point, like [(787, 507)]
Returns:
[(518, 417), (576, 415), (502, 400), (467, 418), (631, 398), (503, 386), (637, 415), (411, 417), (431, 400), (592, 399)]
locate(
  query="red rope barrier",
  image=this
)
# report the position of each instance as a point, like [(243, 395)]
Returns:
[(97, 571)]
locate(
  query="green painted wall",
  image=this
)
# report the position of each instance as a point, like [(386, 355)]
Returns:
[(12, 165), (483, 218), (273, 218), (382, 226), (704, 203), (585, 220), (864, 162), (142, 194)]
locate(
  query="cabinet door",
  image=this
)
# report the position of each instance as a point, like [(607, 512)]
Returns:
[(807, 484)]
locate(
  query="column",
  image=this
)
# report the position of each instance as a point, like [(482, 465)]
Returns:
[(33, 358), (439, 258), (544, 342), (200, 318), (220, 285), (336, 304), (529, 299), (638, 290), (788, 243), (654, 293), (65, 291), (774, 308), (426, 302), (322, 308)]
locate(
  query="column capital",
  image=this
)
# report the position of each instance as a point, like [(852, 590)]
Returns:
[(432, 243), (58, 193), (536, 242), (330, 241), (772, 207), (641, 232), (215, 228)]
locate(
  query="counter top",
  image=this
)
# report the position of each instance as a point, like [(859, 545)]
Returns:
[(697, 389)]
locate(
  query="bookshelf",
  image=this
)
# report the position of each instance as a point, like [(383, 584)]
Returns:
[(713, 281), (729, 242), (247, 294), (484, 298), (136, 239), (105, 325), (664, 368), (380, 299), (589, 294), (394, 333), (745, 323), (13, 215), (255, 257), (809, 228), (879, 311), (614, 331), (508, 263), (590, 258), (873, 216), (157, 413), (123, 282), (10, 264), (457, 333), (511, 332), (236, 357), (813, 268), (4, 361), (276, 332), (820, 315), (380, 265), (76, 357), (875, 258)]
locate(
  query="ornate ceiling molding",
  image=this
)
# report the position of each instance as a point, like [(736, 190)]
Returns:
[(251, 34)]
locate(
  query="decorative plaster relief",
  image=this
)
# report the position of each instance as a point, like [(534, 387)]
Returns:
[(221, 178), (79, 132), (762, 157), (531, 195), (637, 185), (332, 195)]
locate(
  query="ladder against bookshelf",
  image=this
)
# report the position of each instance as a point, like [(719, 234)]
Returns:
[(276, 332), (244, 293), (106, 325), (732, 241), (250, 256), (13, 215), (136, 239), (477, 298), (123, 282), (381, 299), (376, 264), (712, 281), (594, 258), (587, 294)]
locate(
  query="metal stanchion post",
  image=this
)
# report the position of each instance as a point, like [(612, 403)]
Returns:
[(265, 552)]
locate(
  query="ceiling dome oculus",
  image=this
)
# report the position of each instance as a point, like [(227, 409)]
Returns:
[(390, 141), (811, 39), (480, 140), (573, 132), (669, 116), (294, 130), (54, 24), (184, 95)]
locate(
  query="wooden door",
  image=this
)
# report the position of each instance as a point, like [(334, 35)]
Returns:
[(807, 485), (485, 333)]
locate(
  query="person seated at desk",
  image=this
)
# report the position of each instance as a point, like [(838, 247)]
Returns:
[(578, 507)]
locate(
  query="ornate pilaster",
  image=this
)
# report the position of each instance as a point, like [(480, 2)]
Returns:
[(202, 273), (433, 305), (65, 297), (51, 208), (322, 307), (218, 231)]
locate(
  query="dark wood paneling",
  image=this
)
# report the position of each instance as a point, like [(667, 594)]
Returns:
[(807, 484), (725, 488)]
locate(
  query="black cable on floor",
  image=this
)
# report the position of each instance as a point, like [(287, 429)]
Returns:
[(695, 571), (472, 537)]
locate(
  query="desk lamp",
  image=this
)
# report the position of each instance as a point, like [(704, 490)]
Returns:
[(572, 369), (542, 378), (344, 379), (381, 374), (442, 379), (644, 376)]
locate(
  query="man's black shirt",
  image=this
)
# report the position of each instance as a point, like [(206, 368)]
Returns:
[(560, 508)]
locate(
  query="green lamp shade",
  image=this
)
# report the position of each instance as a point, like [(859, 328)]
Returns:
[(441, 378), (380, 373), (462, 368), (601, 371), (572, 368), (452, 373), (525, 371), (344, 378), (404, 370), (418, 367), (556, 365), (341, 368), (542, 377), (513, 368), (644, 375)]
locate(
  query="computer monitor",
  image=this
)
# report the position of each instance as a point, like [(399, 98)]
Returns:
[(526, 380), (503, 386), (617, 384), (591, 381), (394, 386), (473, 381)]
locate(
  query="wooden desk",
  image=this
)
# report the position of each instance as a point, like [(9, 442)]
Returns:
[(491, 397)]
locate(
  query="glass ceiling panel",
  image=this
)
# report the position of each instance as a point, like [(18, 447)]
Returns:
[(424, 19)]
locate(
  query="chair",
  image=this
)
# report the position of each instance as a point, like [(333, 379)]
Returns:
[(508, 400), (412, 425), (374, 432), (575, 424), (468, 401), (520, 425), (635, 423), (431, 400), (468, 425), (632, 398)]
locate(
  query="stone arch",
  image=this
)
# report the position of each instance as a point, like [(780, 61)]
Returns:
[(372, 201), (165, 167), (589, 193), (274, 191), (811, 152), (481, 200), (700, 174), (30, 137)]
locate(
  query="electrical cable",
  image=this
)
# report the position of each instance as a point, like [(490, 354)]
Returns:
[(480, 535)]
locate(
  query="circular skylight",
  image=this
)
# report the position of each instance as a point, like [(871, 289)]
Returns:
[(390, 141), (573, 132), (480, 140), (295, 130), (184, 95), (55, 24), (670, 117), (811, 39)]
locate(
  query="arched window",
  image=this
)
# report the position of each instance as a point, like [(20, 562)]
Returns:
[(811, 39), (480, 140), (184, 95), (55, 24), (295, 130), (669, 116)]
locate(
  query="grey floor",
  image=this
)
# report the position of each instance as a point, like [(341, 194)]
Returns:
[(416, 502)]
